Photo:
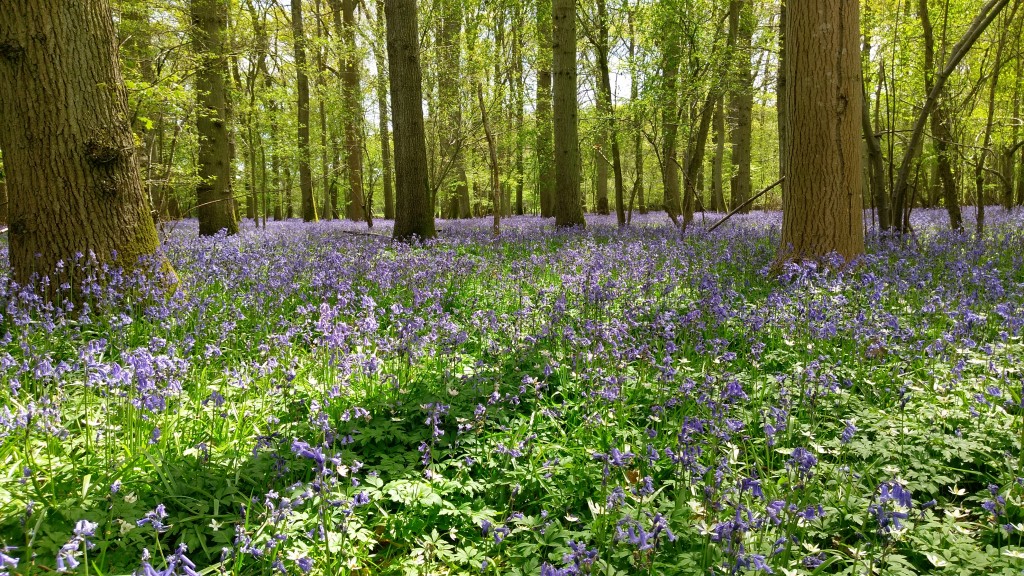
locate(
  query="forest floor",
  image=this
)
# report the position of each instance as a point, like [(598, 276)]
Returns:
[(548, 402)]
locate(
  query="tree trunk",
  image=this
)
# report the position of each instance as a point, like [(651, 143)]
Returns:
[(518, 100), (414, 214), (638, 123), (345, 25), (781, 98), (670, 126), (695, 159), (822, 210), (600, 160), (3, 203), (741, 100), (69, 153), (215, 205), (605, 100), (717, 187), (941, 133), (568, 205), (302, 88), (492, 153), (545, 147), (382, 115), (449, 48), (876, 168)]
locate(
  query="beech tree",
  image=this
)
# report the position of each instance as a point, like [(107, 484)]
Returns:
[(822, 208), (69, 154), (215, 206), (568, 199), (414, 213)]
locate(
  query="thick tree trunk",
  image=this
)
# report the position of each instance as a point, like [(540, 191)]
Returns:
[(3, 203), (69, 154), (670, 126), (568, 200), (414, 214), (215, 206), (822, 210), (302, 89), (741, 101), (383, 118)]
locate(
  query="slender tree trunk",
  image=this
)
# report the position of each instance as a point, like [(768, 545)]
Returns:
[(823, 210), (545, 146), (782, 98), (611, 127), (568, 200), (876, 168), (717, 188), (518, 101), (670, 126), (69, 154), (328, 171), (414, 213), (492, 151), (215, 205), (449, 41), (695, 159), (638, 122), (302, 87), (345, 24), (383, 121), (741, 30), (941, 133)]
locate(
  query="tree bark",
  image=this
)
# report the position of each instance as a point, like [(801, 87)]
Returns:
[(302, 90), (345, 24), (717, 187), (215, 206), (568, 200), (545, 146), (414, 213), (781, 97), (69, 154), (741, 100), (695, 158), (492, 154), (822, 210), (382, 115), (670, 60), (451, 135)]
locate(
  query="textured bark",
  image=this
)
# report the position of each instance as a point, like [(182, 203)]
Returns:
[(568, 200), (822, 210), (302, 91), (545, 146), (414, 214), (383, 118), (717, 187), (638, 123), (741, 100), (215, 206), (69, 155)]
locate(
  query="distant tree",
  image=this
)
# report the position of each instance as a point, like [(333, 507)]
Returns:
[(822, 208), (215, 206), (741, 101), (69, 153), (383, 115), (414, 213), (568, 200)]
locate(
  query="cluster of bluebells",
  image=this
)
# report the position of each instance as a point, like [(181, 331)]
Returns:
[(624, 334)]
